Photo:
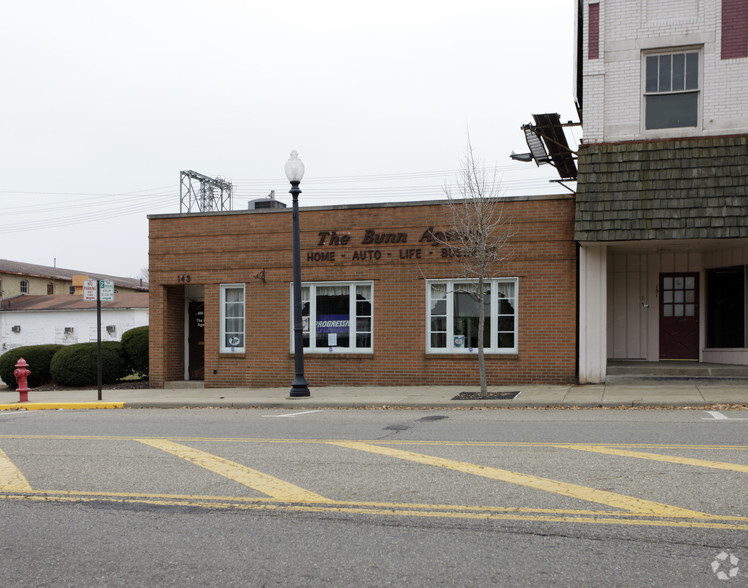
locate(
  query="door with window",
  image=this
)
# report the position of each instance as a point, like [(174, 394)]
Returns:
[(679, 316), (196, 339)]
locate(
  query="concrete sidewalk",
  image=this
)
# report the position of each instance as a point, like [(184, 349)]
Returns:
[(668, 393)]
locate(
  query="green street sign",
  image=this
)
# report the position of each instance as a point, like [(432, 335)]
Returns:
[(106, 290)]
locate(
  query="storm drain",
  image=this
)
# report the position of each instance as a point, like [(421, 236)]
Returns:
[(511, 395)]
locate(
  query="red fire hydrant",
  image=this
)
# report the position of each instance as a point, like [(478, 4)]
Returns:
[(22, 373)]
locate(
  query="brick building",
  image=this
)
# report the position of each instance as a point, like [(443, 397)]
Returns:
[(382, 299), (662, 214)]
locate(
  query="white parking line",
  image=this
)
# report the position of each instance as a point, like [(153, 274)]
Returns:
[(293, 414), (718, 416)]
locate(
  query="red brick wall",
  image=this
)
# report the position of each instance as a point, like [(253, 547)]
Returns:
[(166, 343), (222, 248), (734, 29), (593, 32)]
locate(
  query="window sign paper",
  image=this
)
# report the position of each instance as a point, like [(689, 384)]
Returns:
[(333, 323)]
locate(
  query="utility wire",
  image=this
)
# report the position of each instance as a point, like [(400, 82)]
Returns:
[(96, 207)]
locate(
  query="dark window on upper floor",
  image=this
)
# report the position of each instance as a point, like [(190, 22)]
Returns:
[(671, 90)]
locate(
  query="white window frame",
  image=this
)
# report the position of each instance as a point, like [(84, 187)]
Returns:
[(352, 323), (24, 287), (491, 346), (699, 90), (224, 346)]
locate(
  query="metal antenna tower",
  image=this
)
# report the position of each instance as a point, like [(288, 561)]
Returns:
[(199, 193)]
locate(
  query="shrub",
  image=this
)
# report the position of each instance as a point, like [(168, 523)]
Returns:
[(135, 346), (76, 365), (38, 357)]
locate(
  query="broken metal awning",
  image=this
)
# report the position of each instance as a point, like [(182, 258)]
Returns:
[(547, 142)]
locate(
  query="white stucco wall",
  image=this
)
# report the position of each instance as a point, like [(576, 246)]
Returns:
[(39, 327)]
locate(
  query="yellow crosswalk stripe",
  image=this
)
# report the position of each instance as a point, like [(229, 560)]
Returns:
[(264, 483), (704, 463), (613, 499), (11, 478)]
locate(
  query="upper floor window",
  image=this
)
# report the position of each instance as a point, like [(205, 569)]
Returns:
[(232, 318), (50, 288), (24, 286), (336, 317), (454, 316), (671, 90)]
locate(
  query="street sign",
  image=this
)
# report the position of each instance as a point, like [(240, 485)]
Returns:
[(106, 290), (89, 290)]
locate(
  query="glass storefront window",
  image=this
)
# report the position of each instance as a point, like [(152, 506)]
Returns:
[(337, 317), (232, 318), (453, 319)]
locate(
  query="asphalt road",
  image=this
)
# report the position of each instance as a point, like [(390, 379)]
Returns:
[(374, 498)]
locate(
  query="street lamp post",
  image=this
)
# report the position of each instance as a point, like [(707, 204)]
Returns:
[(295, 173)]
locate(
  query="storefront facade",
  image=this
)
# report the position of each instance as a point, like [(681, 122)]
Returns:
[(385, 302)]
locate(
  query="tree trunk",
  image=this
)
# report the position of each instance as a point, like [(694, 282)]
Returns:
[(481, 295)]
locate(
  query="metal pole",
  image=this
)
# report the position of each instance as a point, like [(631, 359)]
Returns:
[(299, 387), (98, 335)]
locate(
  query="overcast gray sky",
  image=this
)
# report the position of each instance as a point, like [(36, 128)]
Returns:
[(104, 103)]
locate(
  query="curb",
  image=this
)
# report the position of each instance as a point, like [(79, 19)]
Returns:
[(372, 405), (60, 405)]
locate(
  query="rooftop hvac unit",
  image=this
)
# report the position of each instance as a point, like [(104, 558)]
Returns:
[(265, 203), (269, 202)]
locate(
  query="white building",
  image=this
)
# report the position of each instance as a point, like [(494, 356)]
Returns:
[(662, 202), (67, 319)]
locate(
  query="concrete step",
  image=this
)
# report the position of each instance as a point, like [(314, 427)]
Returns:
[(643, 372)]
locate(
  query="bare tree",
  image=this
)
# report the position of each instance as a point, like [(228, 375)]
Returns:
[(477, 239), (143, 274)]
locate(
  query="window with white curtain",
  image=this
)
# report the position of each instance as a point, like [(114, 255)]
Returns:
[(453, 316), (337, 317), (232, 318)]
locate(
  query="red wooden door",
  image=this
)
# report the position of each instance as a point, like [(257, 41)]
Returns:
[(679, 316)]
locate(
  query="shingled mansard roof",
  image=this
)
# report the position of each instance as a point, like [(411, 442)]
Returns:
[(58, 273), (677, 189)]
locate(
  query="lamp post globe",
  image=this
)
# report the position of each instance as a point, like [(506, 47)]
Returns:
[(295, 173), (295, 168)]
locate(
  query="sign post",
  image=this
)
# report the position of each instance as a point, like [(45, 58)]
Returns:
[(98, 336), (98, 290)]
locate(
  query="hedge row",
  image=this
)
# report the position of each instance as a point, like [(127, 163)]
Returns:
[(76, 365)]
